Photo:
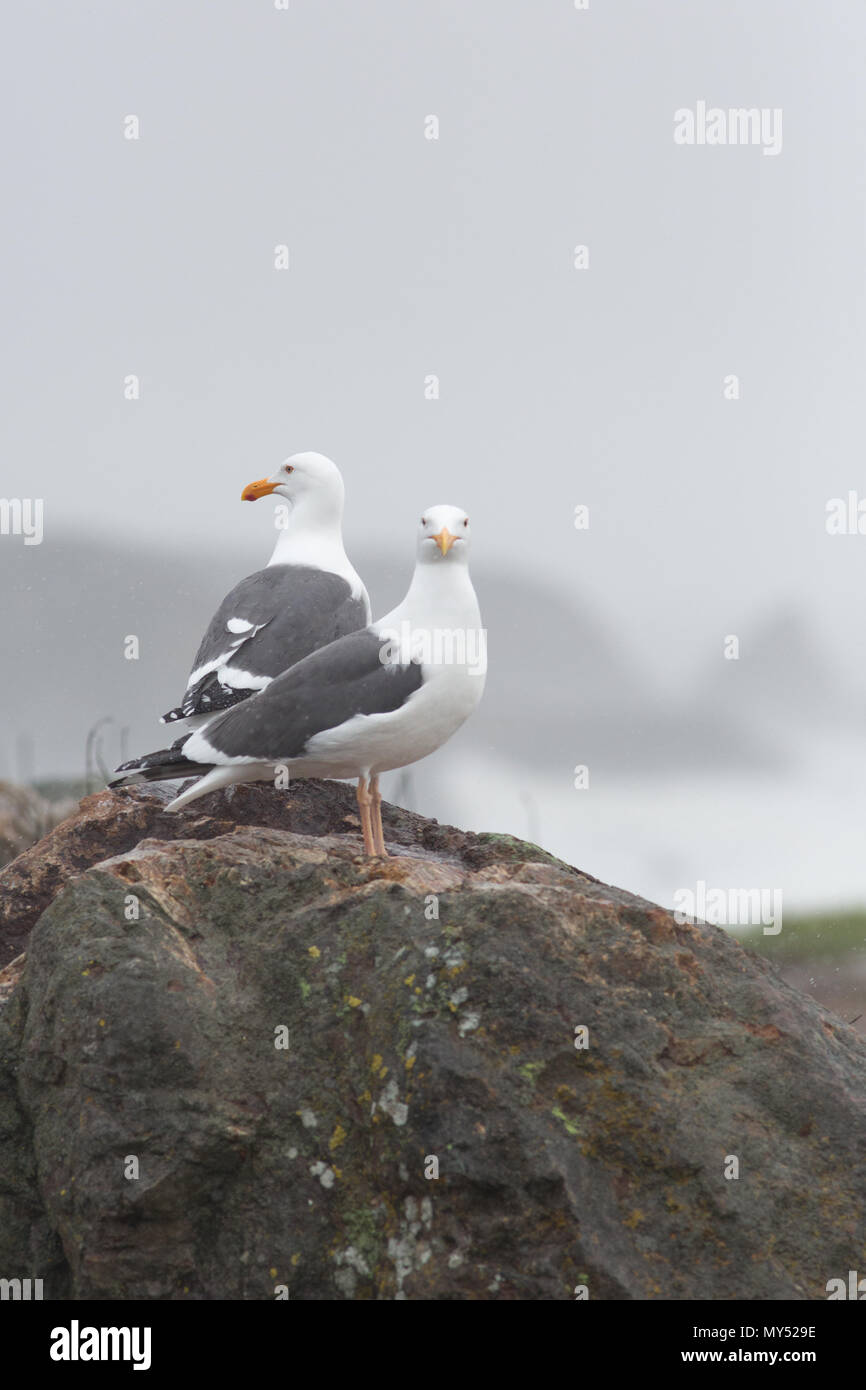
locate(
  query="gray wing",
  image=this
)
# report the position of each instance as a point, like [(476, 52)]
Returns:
[(322, 692), (269, 621)]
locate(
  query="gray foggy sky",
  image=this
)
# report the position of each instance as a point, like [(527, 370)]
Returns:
[(455, 257)]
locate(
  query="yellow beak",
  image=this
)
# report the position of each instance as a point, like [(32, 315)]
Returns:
[(444, 540), (253, 491)]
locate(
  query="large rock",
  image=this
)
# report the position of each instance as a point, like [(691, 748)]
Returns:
[(431, 1002)]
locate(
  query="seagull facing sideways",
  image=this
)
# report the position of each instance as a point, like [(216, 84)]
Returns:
[(308, 595), (375, 700)]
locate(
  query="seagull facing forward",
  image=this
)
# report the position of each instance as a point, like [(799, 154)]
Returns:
[(372, 701), (307, 596)]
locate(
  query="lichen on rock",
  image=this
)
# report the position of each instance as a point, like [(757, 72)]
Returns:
[(431, 1129)]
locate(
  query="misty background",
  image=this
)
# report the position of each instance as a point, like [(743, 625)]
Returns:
[(558, 387)]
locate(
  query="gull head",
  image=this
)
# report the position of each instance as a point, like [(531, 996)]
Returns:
[(303, 478), (443, 536)]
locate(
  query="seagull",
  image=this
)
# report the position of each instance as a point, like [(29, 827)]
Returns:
[(373, 700), (307, 596)]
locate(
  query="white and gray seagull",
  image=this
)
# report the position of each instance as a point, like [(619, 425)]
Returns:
[(307, 595), (372, 701)]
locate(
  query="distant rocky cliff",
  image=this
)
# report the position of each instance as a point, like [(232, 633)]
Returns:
[(239, 1061)]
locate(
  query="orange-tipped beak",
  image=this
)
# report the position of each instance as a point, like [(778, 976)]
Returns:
[(444, 540), (253, 491)]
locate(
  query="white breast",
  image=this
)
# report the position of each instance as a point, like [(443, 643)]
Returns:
[(382, 742)]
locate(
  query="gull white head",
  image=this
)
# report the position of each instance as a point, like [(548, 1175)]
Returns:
[(310, 527), (439, 622), (308, 481), (443, 536)]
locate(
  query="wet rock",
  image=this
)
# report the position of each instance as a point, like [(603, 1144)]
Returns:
[(238, 1060)]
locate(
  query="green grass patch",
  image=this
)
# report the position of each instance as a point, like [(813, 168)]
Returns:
[(826, 934)]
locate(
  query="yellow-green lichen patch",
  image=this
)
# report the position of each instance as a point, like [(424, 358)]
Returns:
[(563, 1118), (529, 1071)]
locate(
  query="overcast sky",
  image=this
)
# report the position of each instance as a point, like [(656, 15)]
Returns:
[(453, 256)]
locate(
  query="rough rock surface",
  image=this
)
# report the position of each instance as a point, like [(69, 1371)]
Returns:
[(431, 1002)]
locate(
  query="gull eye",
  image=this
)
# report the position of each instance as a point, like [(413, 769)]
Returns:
[(288, 468), (423, 521), (466, 521)]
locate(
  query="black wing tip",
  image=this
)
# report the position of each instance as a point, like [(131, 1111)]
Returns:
[(134, 765), (162, 765), (212, 701)]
